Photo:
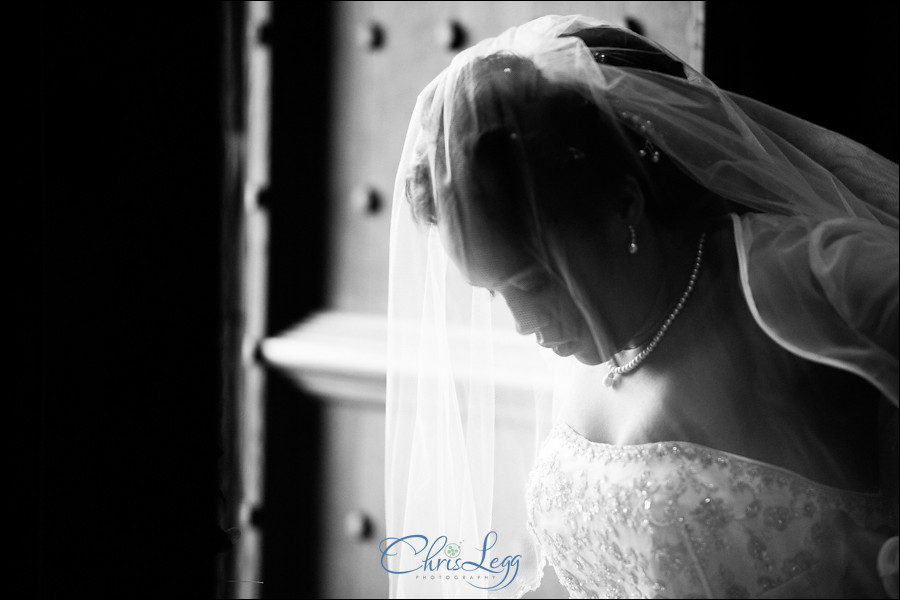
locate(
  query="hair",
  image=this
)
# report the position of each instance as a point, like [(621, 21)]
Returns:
[(584, 152)]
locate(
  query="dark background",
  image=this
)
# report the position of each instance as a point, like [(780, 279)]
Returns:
[(836, 68), (125, 457), (129, 278), (120, 281)]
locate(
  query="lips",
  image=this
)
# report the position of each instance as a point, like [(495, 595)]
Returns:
[(551, 343), (548, 343), (568, 347), (565, 349)]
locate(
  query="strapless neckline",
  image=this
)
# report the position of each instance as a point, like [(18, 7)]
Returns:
[(675, 447), (679, 519)]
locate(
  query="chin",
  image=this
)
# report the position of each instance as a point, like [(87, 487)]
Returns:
[(589, 357), (586, 354)]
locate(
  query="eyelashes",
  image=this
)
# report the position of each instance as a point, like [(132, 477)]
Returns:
[(533, 283)]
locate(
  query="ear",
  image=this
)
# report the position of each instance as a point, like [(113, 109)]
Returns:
[(631, 208)]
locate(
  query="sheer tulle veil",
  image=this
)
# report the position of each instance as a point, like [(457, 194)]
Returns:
[(468, 399)]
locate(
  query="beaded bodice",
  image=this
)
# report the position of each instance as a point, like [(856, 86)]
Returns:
[(680, 520)]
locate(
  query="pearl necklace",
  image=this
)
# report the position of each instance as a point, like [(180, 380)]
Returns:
[(631, 365)]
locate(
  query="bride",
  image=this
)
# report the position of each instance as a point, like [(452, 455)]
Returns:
[(718, 285)]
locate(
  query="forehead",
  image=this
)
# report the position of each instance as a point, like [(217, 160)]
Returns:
[(487, 254), (486, 204)]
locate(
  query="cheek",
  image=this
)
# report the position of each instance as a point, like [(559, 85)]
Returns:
[(552, 310), (588, 255), (597, 283), (528, 312), (563, 308)]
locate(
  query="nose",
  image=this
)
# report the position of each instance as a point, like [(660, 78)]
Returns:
[(529, 315)]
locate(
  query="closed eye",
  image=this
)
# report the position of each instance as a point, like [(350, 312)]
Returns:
[(533, 282)]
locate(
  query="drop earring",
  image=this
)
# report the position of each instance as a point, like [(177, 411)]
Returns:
[(632, 246)]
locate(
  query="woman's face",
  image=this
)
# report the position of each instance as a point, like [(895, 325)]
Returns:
[(494, 258)]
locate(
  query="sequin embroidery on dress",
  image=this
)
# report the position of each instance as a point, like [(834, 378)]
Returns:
[(680, 520)]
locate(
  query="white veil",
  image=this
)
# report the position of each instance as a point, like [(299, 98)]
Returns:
[(468, 400)]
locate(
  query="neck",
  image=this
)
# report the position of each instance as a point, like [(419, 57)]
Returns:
[(668, 263)]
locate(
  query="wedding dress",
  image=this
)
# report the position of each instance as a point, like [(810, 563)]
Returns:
[(680, 520)]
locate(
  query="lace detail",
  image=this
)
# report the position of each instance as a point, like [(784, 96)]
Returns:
[(675, 519)]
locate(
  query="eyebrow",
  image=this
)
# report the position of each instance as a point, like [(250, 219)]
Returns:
[(518, 275), (524, 273)]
